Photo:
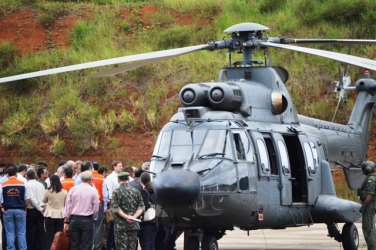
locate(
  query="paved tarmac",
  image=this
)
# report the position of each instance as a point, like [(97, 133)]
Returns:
[(297, 238)]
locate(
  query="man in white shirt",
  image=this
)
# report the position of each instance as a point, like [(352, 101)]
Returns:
[(21, 173), (110, 184), (35, 234)]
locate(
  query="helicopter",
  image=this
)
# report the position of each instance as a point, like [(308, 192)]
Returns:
[(238, 155)]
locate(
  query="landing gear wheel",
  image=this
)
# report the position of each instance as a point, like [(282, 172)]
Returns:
[(191, 243), (209, 243), (350, 237)]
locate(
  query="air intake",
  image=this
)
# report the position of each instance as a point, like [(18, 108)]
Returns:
[(225, 96)]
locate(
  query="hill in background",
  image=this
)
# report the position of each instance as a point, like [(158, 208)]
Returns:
[(71, 116)]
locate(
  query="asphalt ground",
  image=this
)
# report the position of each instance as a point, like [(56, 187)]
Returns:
[(297, 238)]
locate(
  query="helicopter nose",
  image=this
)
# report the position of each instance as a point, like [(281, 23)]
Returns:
[(176, 188)]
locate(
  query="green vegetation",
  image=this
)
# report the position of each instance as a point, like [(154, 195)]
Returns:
[(72, 111), (7, 54), (57, 146)]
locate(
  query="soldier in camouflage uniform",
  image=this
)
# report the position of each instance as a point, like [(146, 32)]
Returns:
[(128, 205), (367, 196)]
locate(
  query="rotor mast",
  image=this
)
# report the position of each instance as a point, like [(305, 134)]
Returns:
[(245, 38)]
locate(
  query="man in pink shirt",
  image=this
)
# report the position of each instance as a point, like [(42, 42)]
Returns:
[(81, 209)]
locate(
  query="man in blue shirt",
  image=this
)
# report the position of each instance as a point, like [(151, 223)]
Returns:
[(14, 196)]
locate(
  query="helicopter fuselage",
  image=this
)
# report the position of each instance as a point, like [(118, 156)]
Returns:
[(238, 155)]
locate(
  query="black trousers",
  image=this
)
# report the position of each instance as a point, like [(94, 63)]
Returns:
[(35, 234), (52, 227), (110, 237), (81, 229)]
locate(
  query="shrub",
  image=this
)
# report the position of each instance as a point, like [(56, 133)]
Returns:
[(29, 2), (8, 53), (181, 36), (107, 123), (124, 26), (57, 147), (50, 123), (174, 37), (28, 146), (344, 13), (348, 11), (152, 118), (368, 29), (16, 123), (270, 6), (46, 19), (78, 33), (82, 126), (57, 9), (161, 19), (126, 121)]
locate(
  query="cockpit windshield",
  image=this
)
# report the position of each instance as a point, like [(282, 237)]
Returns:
[(216, 143), (181, 142)]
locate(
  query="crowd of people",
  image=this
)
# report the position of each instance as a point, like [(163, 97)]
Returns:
[(99, 210)]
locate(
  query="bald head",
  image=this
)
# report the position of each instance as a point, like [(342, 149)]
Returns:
[(86, 176)]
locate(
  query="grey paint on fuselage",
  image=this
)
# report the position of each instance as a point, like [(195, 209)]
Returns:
[(299, 194)]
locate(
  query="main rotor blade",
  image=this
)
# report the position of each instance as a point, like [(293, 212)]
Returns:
[(128, 67), (147, 57), (354, 60), (286, 40)]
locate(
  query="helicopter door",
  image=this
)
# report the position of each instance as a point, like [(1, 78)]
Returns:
[(244, 153), (297, 168), (284, 170)]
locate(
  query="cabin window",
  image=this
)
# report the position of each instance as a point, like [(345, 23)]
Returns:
[(239, 147), (284, 157), (309, 155), (272, 154), (264, 161)]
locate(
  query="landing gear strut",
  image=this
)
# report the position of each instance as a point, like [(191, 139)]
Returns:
[(349, 236), (207, 240)]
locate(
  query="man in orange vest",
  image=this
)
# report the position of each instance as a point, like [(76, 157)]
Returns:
[(98, 181), (68, 181), (14, 195)]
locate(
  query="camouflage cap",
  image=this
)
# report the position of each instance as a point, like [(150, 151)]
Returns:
[(123, 174)]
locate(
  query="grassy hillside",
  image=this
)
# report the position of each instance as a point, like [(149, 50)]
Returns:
[(71, 115)]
